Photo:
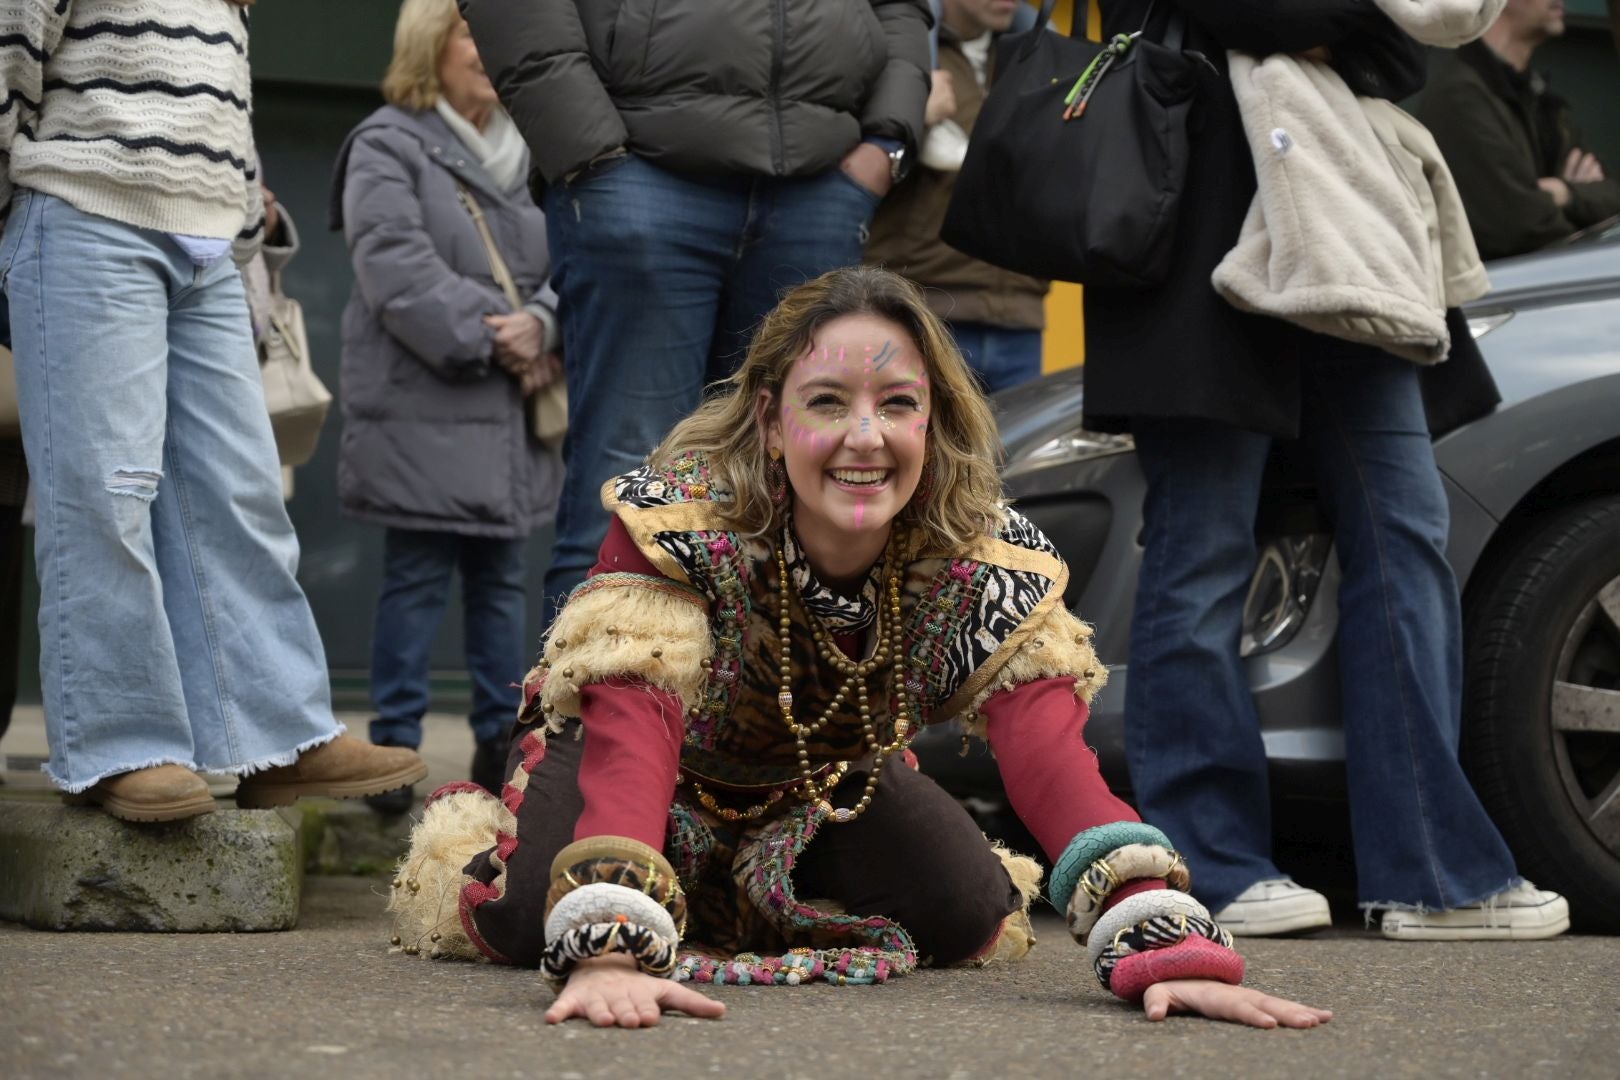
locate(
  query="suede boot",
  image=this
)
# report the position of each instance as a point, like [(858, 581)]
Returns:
[(344, 768), (161, 793)]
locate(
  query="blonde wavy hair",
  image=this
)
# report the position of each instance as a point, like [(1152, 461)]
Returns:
[(962, 450), (412, 79)]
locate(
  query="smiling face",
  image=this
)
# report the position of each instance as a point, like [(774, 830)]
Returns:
[(461, 73), (852, 426)]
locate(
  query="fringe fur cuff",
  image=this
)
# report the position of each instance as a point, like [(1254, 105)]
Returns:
[(1061, 646), (622, 626)]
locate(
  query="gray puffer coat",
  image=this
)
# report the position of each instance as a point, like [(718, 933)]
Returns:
[(764, 87), (435, 435)]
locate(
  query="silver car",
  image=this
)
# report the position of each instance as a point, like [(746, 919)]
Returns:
[(1534, 490)]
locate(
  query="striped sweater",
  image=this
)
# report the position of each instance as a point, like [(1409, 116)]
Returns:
[(135, 110)]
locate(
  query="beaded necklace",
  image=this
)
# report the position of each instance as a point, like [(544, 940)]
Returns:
[(855, 674)]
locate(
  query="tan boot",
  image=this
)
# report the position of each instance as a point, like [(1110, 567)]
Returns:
[(345, 768), (161, 793)]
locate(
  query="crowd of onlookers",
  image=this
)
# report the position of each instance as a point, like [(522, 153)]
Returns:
[(549, 199)]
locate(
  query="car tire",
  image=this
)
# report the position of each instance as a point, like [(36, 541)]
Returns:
[(1538, 641)]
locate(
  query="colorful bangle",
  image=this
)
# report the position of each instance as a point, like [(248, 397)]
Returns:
[(1137, 909), (1194, 957), (617, 860), (653, 953), (1133, 862), (1158, 932), (1089, 846), (604, 903)]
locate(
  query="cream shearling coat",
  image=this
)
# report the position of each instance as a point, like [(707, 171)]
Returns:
[(1356, 230)]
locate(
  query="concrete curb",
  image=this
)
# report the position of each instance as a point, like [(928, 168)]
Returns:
[(76, 868)]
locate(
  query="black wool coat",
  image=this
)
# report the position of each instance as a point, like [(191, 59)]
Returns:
[(1179, 350)]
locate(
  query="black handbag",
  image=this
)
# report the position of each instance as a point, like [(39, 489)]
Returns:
[(1075, 167)]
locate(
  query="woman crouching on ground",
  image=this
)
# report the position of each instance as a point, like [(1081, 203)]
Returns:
[(709, 780)]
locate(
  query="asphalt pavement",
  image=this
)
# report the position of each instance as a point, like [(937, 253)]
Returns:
[(328, 1000)]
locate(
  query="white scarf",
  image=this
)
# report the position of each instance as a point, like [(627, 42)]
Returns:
[(499, 148)]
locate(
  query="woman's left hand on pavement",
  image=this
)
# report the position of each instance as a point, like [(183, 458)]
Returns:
[(1222, 1001)]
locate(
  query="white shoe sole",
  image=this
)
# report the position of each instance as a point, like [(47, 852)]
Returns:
[(1271, 918), (1479, 924)]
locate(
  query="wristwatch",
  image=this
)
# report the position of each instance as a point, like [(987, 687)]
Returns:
[(899, 160)]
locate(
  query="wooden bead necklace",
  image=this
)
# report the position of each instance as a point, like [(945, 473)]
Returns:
[(888, 649)]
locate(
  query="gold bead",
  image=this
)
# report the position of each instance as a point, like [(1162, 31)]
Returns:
[(394, 940), (656, 653), (412, 950), (414, 886), (613, 629), (398, 882), (562, 643), (568, 673), (435, 936), (705, 663), (548, 708)]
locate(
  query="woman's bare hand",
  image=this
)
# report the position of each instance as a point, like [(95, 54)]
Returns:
[(1220, 1001), (518, 338), (609, 992)]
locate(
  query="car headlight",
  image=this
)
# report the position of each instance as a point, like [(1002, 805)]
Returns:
[(1480, 325), (1069, 448), (1281, 591)]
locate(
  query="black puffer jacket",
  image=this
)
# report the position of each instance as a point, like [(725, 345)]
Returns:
[(765, 87)]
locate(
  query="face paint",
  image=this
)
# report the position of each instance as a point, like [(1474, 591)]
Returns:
[(853, 425)]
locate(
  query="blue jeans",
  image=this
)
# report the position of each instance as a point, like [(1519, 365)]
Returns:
[(1192, 735), (999, 356), (662, 278), (172, 627), (416, 587)]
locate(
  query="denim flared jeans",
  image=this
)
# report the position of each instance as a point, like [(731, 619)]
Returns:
[(662, 278), (172, 626), (1197, 762)]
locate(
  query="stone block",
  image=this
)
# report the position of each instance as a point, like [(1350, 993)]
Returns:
[(76, 868), (345, 836)]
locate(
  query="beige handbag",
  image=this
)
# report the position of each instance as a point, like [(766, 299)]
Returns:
[(294, 394), (549, 406)]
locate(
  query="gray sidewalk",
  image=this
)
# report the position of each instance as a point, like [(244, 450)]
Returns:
[(328, 1000)]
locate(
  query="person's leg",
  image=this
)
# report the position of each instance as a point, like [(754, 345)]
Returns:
[(251, 659), (93, 408), (417, 566), (1192, 737), (794, 230), (1000, 356), (914, 856), (1421, 835), (638, 260), (495, 614)]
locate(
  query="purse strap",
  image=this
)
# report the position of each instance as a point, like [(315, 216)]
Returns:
[(497, 265), (1174, 33)]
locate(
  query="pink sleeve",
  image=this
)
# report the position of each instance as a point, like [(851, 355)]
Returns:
[(633, 735), (632, 754), (1038, 734)]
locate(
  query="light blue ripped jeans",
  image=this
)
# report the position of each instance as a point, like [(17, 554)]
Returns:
[(172, 627)]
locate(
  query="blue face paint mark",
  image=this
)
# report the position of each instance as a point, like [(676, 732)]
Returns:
[(889, 352), (866, 425)]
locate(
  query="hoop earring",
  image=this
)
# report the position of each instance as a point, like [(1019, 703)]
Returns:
[(776, 475)]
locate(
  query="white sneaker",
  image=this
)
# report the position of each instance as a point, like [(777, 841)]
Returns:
[(1522, 913), (1274, 906)]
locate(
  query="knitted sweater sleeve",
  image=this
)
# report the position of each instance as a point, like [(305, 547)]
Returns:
[(29, 32)]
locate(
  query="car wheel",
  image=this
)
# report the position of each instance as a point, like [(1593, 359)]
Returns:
[(1541, 706)]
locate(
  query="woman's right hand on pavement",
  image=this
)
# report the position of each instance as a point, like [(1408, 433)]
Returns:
[(609, 992)]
